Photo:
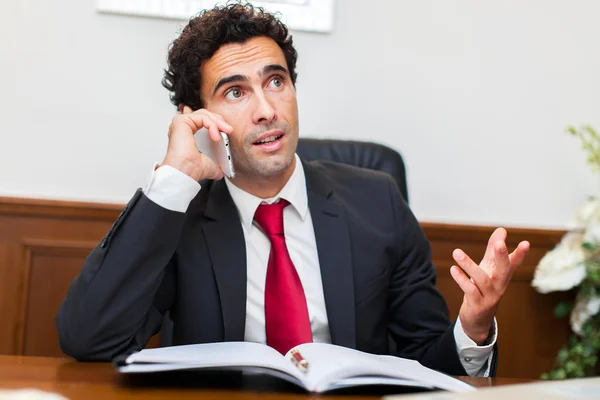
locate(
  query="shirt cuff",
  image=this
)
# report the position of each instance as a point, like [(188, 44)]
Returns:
[(170, 188), (476, 360)]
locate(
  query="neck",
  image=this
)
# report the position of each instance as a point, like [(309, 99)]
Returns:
[(264, 187)]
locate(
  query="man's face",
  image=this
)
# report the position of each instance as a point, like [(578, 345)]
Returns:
[(249, 86)]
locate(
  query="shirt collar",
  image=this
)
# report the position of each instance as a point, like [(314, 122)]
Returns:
[(293, 191)]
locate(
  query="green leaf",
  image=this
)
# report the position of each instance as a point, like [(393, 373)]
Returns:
[(590, 143), (563, 309), (589, 246), (573, 340), (571, 130), (588, 361), (559, 374), (545, 376), (571, 367), (563, 354), (588, 350)]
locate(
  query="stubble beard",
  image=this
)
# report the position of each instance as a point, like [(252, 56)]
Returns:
[(272, 165)]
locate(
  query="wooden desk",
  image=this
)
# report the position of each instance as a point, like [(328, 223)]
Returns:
[(99, 380)]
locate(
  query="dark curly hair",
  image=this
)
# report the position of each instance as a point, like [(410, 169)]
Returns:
[(206, 33)]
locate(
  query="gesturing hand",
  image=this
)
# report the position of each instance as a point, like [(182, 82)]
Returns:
[(489, 280)]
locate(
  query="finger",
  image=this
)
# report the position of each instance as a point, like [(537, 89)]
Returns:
[(498, 235), (214, 132), (479, 276), (222, 124), (215, 129), (516, 257), (466, 285), (501, 265), (501, 255), (187, 110), (203, 120)]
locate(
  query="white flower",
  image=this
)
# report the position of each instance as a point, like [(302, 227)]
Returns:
[(592, 233), (562, 268), (588, 214), (585, 307)]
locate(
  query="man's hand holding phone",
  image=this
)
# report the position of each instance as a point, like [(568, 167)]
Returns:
[(182, 151)]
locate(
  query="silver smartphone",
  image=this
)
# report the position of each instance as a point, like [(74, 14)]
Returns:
[(218, 151)]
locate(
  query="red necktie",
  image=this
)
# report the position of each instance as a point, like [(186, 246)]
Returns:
[(286, 314)]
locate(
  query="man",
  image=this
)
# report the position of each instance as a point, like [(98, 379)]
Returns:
[(287, 251)]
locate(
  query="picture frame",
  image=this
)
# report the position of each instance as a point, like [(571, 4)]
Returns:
[(303, 15)]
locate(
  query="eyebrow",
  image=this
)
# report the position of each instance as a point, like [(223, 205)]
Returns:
[(273, 67), (241, 78), (230, 79)]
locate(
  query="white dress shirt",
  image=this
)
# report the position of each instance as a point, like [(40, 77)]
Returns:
[(174, 190)]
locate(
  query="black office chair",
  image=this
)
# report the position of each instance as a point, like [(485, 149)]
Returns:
[(361, 154)]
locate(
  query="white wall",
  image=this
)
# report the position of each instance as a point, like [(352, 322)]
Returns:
[(474, 94)]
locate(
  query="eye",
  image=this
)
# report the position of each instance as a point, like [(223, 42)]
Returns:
[(277, 81), (234, 93)]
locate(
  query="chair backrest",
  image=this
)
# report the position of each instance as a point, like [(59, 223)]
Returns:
[(361, 154)]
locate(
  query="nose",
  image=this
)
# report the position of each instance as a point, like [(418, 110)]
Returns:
[(264, 112)]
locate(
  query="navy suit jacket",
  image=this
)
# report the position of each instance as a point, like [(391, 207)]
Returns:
[(378, 278)]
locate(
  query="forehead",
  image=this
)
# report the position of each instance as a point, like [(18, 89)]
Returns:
[(241, 58)]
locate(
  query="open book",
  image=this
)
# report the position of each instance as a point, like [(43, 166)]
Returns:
[(316, 367)]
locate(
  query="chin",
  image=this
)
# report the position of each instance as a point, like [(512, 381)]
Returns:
[(274, 165)]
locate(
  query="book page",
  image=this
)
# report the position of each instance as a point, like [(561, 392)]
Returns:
[(210, 355), (330, 363)]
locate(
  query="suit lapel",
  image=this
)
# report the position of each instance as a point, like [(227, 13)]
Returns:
[(227, 250), (335, 256)]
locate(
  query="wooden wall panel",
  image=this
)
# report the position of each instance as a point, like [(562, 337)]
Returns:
[(28, 227), (43, 244), (11, 281), (51, 266)]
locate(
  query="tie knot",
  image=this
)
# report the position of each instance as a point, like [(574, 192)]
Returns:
[(270, 217)]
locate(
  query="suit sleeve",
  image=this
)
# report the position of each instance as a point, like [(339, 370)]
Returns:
[(419, 322), (126, 284)]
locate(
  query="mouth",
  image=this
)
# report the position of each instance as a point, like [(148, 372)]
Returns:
[(270, 141)]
